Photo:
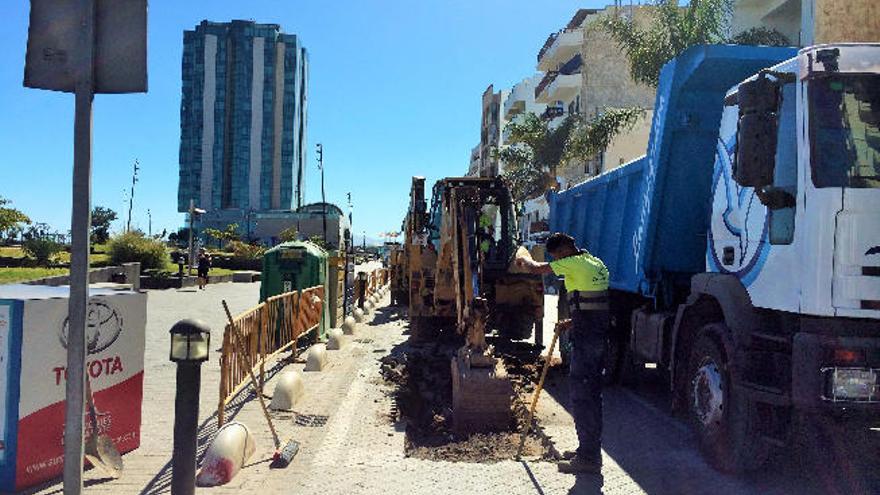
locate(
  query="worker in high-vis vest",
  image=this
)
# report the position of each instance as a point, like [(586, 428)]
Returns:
[(586, 284)]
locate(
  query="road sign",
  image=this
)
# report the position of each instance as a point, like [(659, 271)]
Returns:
[(84, 47), (120, 50)]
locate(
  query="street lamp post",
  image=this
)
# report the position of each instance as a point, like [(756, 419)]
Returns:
[(190, 342), (323, 199), (193, 211), (134, 179)]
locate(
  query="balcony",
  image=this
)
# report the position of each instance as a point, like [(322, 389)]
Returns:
[(561, 85), (516, 100), (560, 47)]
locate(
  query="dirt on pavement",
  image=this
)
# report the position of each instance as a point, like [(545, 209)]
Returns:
[(422, 381)]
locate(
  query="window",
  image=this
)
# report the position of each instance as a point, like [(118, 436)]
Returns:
[(845, 130), (785, 175)]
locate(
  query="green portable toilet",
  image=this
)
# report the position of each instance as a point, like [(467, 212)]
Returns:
[(295, 265)]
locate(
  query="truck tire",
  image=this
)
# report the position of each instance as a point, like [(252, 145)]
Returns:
[(721, 416)]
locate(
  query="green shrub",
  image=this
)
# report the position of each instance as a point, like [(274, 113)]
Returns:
[(243, 250), (135, 247), (42, 249)]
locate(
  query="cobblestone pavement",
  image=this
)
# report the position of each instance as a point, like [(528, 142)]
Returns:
[(349, 445)]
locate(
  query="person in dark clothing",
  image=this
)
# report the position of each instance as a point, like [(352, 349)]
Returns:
[(204, 265), (586, 282)]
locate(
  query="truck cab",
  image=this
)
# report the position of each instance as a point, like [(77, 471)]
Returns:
[(744, 247)]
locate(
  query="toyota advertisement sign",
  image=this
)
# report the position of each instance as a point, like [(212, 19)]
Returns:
[(33, 359)]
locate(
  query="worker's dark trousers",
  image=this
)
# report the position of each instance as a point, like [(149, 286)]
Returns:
[(587, 339)]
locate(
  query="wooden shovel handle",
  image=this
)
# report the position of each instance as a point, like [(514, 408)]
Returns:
[(244, 362)]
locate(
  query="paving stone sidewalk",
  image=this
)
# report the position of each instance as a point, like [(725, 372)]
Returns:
[(350, 446)]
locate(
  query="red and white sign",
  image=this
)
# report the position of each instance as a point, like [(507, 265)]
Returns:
[(115, 366)]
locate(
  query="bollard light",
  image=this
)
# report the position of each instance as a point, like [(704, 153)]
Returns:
[(190, 341)]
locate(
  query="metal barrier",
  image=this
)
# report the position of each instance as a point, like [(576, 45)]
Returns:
[(264, 332)]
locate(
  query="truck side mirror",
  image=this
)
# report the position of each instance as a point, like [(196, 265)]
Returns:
[(756, 132)]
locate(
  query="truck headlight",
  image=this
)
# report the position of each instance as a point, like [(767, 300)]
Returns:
[(850, 384)]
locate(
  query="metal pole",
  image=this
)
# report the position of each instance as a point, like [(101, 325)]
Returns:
[(186, 426), (323, 199), (192, 211), (79, 254), (131, 199), (149, 223)]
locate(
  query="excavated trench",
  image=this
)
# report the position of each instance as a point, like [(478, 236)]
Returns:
[(422, 381)]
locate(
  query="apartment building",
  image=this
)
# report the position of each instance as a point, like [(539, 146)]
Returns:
[(808, 22), (243, 120)]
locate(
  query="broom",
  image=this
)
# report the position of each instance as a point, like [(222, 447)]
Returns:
[(282, 457)]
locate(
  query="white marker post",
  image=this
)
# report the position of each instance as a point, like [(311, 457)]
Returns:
[(74, 47)]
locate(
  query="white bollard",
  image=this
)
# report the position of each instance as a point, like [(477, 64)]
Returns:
[(230, 450), (359, 315), (368, 306), (348, 325), (288, 390), (335, 339), (317, 358)]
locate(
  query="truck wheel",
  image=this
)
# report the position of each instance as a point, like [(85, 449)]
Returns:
[(721, 417)]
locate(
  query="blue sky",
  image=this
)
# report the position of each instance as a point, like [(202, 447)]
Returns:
[(395, 90)]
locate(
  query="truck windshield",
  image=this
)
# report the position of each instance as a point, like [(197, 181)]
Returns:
[(845, 130)]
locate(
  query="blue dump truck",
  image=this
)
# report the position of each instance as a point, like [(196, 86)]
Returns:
[(744, 247)]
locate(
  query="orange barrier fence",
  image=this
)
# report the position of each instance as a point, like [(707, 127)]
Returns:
[(263, 332)]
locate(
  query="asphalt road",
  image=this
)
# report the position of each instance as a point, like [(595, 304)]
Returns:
[(658, 451)]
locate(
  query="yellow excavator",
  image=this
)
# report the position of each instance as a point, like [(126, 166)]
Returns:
[(458, 265)]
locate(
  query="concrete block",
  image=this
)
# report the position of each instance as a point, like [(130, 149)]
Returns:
[(348, 326), (317, 358), (335, 339), (288, 390), (230, 450), (246, 277)]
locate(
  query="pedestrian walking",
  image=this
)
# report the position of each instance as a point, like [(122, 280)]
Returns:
[(204, 266), (586, 282)]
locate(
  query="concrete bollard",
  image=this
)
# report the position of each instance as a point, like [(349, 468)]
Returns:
[(349, 325), (317, 358), (368, 306), (230, 450), (335, 339), (359, 315), (288, 390)]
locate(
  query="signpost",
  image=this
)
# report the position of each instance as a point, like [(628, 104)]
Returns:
[(84, 47)]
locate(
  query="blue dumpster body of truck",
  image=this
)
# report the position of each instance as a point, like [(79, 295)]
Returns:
[(648, 219)]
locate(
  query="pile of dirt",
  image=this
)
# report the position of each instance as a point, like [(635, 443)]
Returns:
[(422, 380)]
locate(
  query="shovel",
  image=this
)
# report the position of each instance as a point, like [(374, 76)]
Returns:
[(561, 326), (99, 448)]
